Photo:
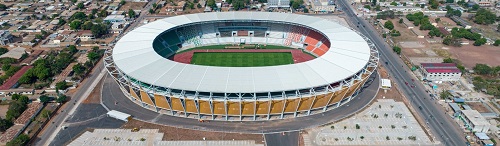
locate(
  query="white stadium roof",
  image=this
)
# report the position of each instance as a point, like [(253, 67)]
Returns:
[(134, 55)]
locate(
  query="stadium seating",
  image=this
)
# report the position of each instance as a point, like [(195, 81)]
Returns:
[(171, 38), (190, 35), (208, 31)]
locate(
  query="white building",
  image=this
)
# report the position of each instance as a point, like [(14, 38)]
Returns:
[(474, 121), (405, 9), (440, 71), (5, 37)]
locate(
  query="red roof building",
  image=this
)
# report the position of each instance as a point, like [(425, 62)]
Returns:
[(12, 81), (440, 71)]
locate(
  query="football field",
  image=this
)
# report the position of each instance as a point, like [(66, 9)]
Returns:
[(242, 59)]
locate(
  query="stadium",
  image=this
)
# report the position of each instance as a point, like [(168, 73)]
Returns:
[(241, 66)]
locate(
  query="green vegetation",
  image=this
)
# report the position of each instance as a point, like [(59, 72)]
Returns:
[(488, 80), (485, 17), (3, 7), (19, 140), (62, 98), (8, 72), (497, 43), (232, 59), (63, 85), (5, 124), (44, 98), (295, 4), (389, 25), (433, 4), (17, 106), (396, 49), (451, 12), (457, 63)]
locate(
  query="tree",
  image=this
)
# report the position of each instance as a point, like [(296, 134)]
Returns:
[(437, 20), (3, 51), (444, 94), (198, 5), (131, 13), (447, 60), (63, 85), (377, 8), (434, 4), (3, 7), (80, 5), (79, 69), (396, 49), (368, 7), (44, 98), (475, 7), (99, 29), (296, 3), (74, 1), (87, 25), (103, 13), (19, 140), (480, 42), (389, 25), (211, 3), (400, 20), (93, 56), (62, 98), (15, 110), (5, 124), (394, 3), (122, 2), (497, 43), (306, 10), (482, 69), (155, 5), (151, 11), (385, 14), (484, 16), (75, 24), (374, 2), (450, 1)]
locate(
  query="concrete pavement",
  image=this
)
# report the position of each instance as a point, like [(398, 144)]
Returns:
[(440, 123)]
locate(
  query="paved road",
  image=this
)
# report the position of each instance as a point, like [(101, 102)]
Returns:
[(282, 139), (54, 125), (440, 123), (113, 94)]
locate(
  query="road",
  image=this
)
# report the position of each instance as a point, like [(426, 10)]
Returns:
[(282, 139), (441, 124), (51, 129), (113, 95)]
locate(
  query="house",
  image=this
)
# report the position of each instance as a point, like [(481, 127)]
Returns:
[(278, 3), (440, 71), (16, 53), (115, 18), (484, 3), (405, 9), (12, 81), (418, 33), (179, 7), (5, 37), (474, 121), (85, 35), (9, 92), (118, 27), (408, 23)]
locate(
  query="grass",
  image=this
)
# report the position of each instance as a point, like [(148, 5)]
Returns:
[(242, 59), (222, 47)]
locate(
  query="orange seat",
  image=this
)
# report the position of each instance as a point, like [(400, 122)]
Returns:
[(319, 51)]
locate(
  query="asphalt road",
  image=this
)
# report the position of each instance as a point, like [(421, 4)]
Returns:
[(440, 123), (112, 94), (282, 139), (57, 121)]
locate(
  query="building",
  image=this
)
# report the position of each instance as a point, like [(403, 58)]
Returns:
[(5, 37), (440, 71), (149, 137), (323, 6), (484, 3), (278, 3), (16, 53), (85, 35), (418, 33), (408, 23), (474, 121), (385, 84), (115, 18), (12, 81), (405, 9), (176, 8), (247, 93), (118, 27)]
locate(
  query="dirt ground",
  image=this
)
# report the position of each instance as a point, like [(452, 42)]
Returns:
[(3, 110), (478, 106), (469, 55), (94, 96), (174, 134), (133, 6)]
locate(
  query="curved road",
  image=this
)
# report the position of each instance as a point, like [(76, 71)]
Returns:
[(111, 94), (440, 123)]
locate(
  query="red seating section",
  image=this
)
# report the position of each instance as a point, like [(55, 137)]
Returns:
[(312, 40)]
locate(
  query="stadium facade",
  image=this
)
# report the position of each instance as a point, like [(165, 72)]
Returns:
[(140, 64)]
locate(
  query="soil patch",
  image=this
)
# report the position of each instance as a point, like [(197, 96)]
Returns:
[(175, 134), (470, 55), (478, 106)]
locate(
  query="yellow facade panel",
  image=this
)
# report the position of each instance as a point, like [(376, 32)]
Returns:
[(134, 94), (161, 102), (339, 95), (219, 108), (277, 106), (305, 103), (248, 108), (205, 107), (191, 106), (233, 108), (177, 104), (262, 107), (321, 100), (145, 98), (291, 105)]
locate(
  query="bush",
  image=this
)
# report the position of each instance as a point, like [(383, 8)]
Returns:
[(396, 49), (19, 140)]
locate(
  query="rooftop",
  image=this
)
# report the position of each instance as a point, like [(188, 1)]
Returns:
[(15, 53), (439, 65), (475, 117), (13, 80), (454, 70)]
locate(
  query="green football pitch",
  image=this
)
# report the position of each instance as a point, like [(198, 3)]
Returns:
[(242, 59)]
